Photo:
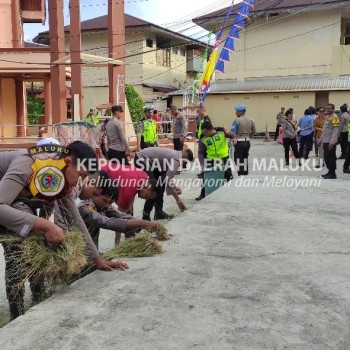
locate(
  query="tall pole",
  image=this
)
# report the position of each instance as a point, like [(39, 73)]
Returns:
[(116, 48), (58, 72), (76, 67)]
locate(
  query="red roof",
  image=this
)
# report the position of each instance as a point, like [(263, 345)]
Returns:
[(271, 5)]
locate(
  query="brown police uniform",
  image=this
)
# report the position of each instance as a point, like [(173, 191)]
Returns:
[(244, 131), (329, 136), (26, 183), (109, 219)]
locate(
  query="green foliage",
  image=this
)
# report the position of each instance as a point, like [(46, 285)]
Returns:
[(35, 108), (135, 103)]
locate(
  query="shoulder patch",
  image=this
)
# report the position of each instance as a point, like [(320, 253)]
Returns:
[(47, 179)]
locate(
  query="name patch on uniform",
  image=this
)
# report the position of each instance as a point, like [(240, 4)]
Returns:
[(48, 149), (47, 178)]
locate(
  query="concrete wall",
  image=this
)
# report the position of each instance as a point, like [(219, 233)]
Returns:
[(286, 45), (339, 97), (262, 107)]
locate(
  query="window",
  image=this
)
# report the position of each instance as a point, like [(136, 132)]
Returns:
[(175, 50), (183, 51), (149, 43)]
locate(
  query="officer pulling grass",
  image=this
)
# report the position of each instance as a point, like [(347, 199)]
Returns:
[(43, 175)]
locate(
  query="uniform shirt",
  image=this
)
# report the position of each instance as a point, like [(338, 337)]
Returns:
[(179, 125), (306, 122), (319, 123), (166, 160), (289, 130), (15, 174), (140, 125), (344, 121), (109, 219), (280, 118), (330, 130), (116, 135), (128, 179), (243, 127)]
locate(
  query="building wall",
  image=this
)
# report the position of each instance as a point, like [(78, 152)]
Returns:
[(6, 35), (9, 106), (262, 107), (287, 45), (338, 98)]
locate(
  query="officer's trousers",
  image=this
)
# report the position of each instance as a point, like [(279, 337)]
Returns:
[(330, 158), (241, 156), (157, 202), (343, 141)]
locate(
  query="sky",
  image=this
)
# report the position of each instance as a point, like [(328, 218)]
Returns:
[(166, 13)]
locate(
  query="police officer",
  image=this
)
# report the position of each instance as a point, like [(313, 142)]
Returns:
[(243, 128), (161, 164), (92, 117), (44, 174), (147, 131), (213, 145), (98, 213), (203, 117), (329, 139)]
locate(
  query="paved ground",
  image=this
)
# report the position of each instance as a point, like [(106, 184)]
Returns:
[(256, 265)]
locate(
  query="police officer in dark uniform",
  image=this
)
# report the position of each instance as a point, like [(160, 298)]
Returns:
[(243, 128)]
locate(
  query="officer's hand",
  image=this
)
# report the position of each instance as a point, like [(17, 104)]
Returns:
[(54, 235), (330, 146), (178, 191), (235, 141), (181, 204), (149, 226), (109, 265)]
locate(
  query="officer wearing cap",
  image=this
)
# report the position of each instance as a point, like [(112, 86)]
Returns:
[(147, 131), (243, 128)]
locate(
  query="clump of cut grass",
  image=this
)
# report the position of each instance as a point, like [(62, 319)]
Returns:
[(162, 233), (37, 260), (141, 245)]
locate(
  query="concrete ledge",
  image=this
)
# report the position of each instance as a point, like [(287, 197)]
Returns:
[(249, 268)]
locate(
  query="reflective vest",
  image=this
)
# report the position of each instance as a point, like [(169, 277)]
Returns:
[(149, 131), (216, 146), (93, 119), (199, 131)]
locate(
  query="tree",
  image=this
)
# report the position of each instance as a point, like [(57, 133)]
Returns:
[(35, 108), (135, 103)]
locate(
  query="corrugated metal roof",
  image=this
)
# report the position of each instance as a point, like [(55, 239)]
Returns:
[(300, 83)]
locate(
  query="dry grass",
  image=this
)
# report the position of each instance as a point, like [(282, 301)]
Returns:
[(162, 233), (36, 259), (141, 245)]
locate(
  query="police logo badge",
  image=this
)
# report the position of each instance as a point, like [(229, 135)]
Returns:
[(47, 179)]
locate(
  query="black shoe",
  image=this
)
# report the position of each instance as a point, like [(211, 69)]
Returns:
[(317, 166), (161, 215), (330, 177), (146, 216), (287, 164), (346, 171), (200, 197), (325, 175)]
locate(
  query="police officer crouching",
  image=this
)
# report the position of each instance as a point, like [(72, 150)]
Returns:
[(212, 146), (243, 128)]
